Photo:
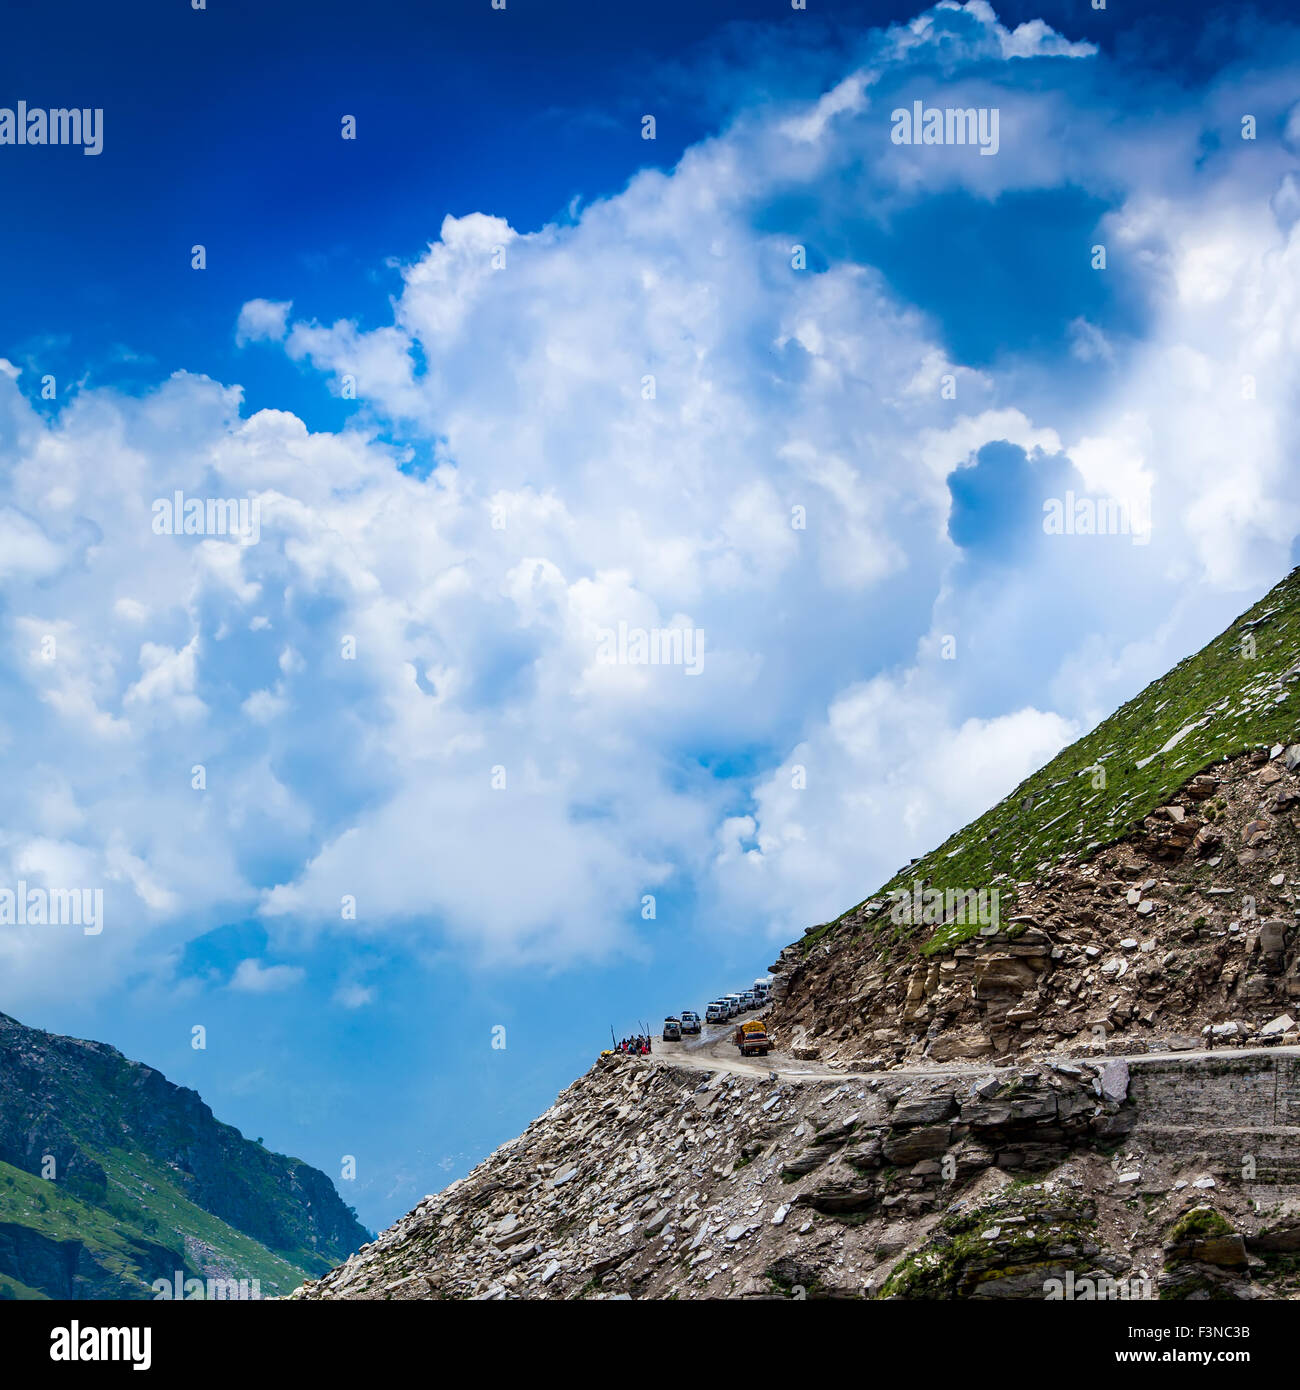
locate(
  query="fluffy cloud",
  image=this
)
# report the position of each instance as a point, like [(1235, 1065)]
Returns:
[(723, 402), (263, 320), (891, 768), (252, 977)]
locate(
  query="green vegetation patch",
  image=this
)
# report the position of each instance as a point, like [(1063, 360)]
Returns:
[(1034, 1227), (11, 1291), (1197, 1224)]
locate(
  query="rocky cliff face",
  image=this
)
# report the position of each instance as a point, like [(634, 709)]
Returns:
[(1144, 883), (1005, 1098), (660, 1179), (1185, 925), (146, 1181)]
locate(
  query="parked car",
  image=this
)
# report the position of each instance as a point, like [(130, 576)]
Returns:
[(672, 1030), (763, 989), (717, 1012), (690, 1021)]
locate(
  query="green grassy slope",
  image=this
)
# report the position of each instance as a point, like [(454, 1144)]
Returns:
[(143, 1182), (138, 1234), (1240, 691), (11, 1291)]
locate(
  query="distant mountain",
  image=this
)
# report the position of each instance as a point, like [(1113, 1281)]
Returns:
[(111, 1178)]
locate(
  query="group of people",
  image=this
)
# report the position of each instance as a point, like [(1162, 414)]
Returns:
[(638, 1046)]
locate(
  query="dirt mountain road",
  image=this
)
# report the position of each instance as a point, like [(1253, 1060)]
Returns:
[(714, 1051)]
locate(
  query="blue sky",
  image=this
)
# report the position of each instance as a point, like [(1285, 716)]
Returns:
[(425, 353)]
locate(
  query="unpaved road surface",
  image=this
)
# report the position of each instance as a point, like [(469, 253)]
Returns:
[(713, 1050)]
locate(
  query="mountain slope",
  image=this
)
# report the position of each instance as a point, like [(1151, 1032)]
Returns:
[(1156, 898), (966, 1104), (146, 1182), (1238, 692)]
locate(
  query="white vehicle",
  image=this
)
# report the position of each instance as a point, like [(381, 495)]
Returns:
[(717, 1012), (736, 1002), (690, 1021), (750, 998), (763, 989)]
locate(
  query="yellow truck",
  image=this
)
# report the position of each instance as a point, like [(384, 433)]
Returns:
[(753, 1039)]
